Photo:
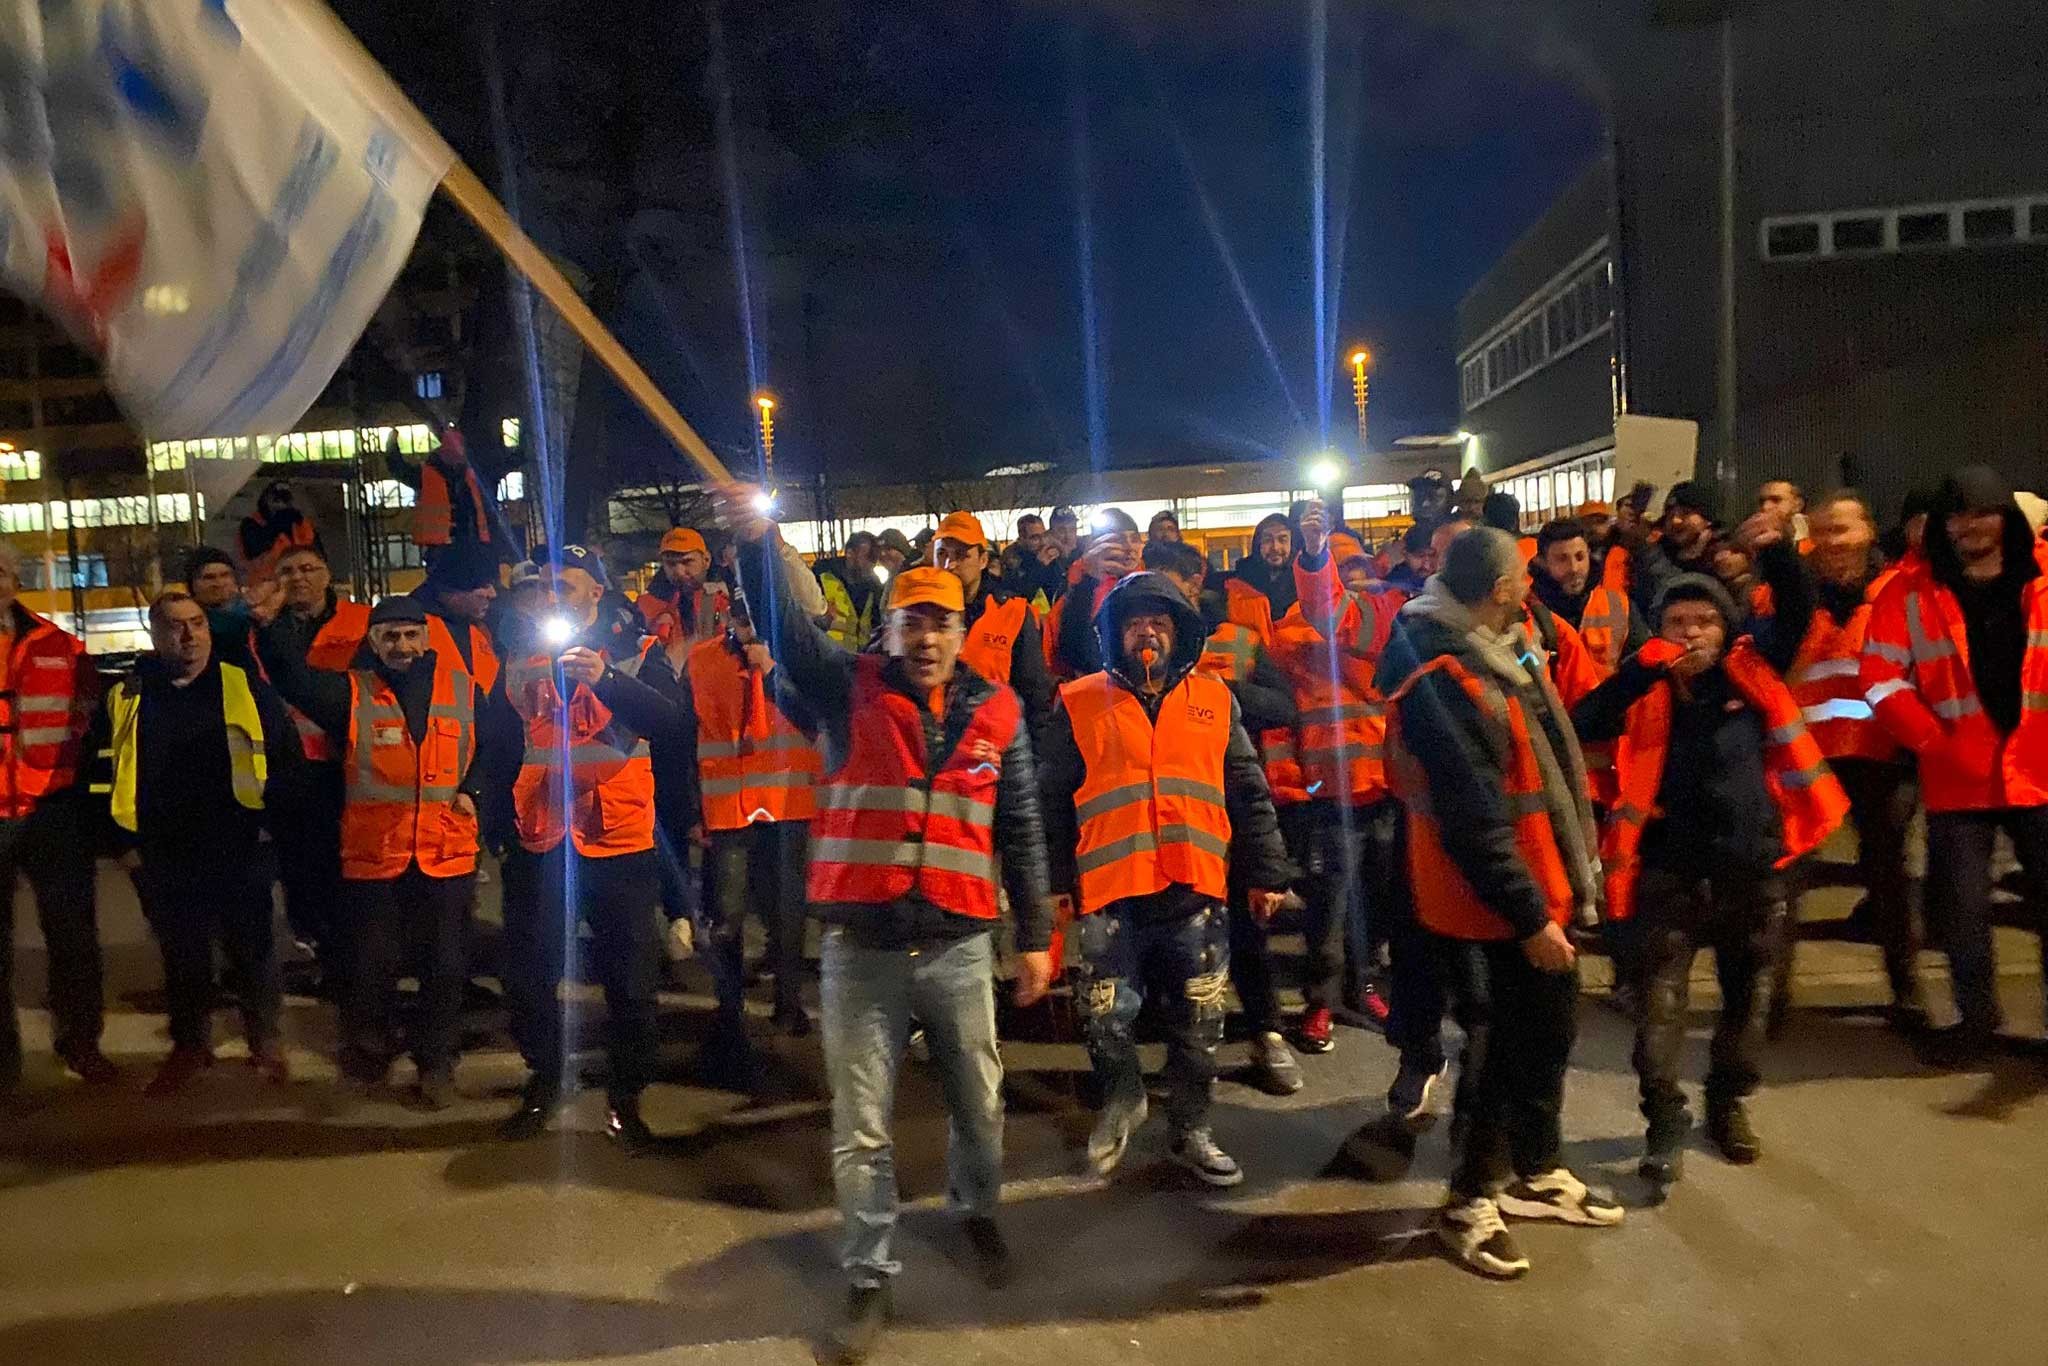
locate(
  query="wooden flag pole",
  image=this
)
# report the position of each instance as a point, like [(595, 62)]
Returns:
[(475, 199)]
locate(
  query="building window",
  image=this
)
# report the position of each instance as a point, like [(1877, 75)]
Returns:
[(1858, 234), (427, 385), (398, 552), (1929, 229), (20, 464), (1998, 224), (64, 361), (1792, 239), (1541, 330), (16, 415)]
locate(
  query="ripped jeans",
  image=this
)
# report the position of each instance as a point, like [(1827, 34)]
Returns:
[(1187, 959)]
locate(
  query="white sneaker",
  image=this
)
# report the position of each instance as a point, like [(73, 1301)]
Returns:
[(1560, 1196), (681, 940), (1112, 1136), (1274, 1065), (1197, 1152), (1476, 1236)]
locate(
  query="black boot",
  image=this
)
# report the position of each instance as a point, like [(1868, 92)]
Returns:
[(1729, 1127), (537, 1105), (624, 1124), (867, 1314), (1664, 1149), (991, 1252)]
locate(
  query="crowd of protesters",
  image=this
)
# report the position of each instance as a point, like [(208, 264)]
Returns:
[(1080, 760)]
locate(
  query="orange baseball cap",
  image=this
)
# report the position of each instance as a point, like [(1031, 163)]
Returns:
[(1595, 508), (925, 586), (963, 527), (683, 540)]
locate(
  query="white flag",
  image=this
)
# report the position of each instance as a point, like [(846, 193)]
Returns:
[(215, 195)]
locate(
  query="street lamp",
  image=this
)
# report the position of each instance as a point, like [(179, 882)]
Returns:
[(766, 403), (1360, 360)]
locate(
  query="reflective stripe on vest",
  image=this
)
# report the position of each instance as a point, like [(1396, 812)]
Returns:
[(1810, 801), (1151, 805), (889, 822), (41, 716), (399, 807), (1604, 626), (1229, 653), (992, 638), (609, 774), (752, 764), (248, 766), (1826, 681), (1445, 902)]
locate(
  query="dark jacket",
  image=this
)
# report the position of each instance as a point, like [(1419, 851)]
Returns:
[(1994, 612), (1444, 731), (1718, 817), (1028, 672), (1572, 606), (1276, 584), (184, 790), (678, 803), (1264, 697), (1258, 857), (819, 671)]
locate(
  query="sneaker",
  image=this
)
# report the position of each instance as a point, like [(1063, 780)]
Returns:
[(537, 1104), (1373, 1006), (991, 1252), (1112, 1136), (1477, 1237), (1317, 1032), (1273, 1065), (178, 1069), (1196, 1151), (91, 1066), (867, 1314), (1558, 1195), (1413, 1094), (680, 941), (1729, 1128), (436, 1091), (625, 1127), (1664, 1150)]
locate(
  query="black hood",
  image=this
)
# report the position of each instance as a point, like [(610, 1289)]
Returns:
[(1146, 591), (1941, 551)]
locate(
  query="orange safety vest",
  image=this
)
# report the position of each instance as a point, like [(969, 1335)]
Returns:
[(1826, 680), (1603, 627), (263, 567), (752, 764), (433, 515), (1248, 607), (611, 772), (889, 822), (713, 614), (1444, 900), (1916, 677), (334, 647), (44, 701), (1229, 654), (1525, 547), (992, 638), (483, 660), (399, 809), (1615, 569), (1809, 798), (1341, 733), (1151, 806)]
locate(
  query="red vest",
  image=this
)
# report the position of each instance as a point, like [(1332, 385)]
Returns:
[(43, 709), (752, 764), (399, 808), (888, 821)]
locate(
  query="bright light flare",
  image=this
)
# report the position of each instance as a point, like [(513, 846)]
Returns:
[(765, 402), (1360, 358), (1325, 473), (881, 572), (558, 631), (764, 503)]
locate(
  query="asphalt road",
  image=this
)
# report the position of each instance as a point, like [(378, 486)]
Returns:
[(1896, 1216)]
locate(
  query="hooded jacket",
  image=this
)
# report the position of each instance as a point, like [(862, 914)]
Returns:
[(1277, 585), (1258, 857)]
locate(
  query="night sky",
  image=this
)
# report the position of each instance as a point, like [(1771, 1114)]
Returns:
[(910, 184)]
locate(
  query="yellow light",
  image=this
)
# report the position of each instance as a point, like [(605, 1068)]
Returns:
[(1361, 357), (765, 402)]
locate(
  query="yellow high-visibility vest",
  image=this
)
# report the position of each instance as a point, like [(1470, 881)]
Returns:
[(246, 761)]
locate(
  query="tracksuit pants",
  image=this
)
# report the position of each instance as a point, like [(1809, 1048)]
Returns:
[(762, 867), (1520, 1023), (1959, 849)]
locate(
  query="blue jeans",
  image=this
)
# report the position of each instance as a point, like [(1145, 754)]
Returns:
[(869, 998), (1188, 959)]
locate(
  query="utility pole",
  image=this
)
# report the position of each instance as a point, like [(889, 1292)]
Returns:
[(1360, 359), (766, 403)]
